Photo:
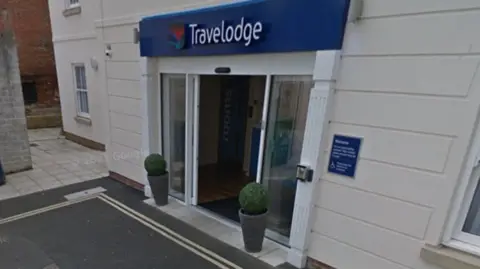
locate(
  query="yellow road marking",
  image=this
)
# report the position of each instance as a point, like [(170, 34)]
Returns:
[(171, 232), (203, 255), (45, 209)]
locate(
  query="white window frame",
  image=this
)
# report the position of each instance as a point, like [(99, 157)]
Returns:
[(454, 236), (77, 101), (72, 3)]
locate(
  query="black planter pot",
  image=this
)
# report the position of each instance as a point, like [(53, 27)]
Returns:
[(159, 187), (253, 230)]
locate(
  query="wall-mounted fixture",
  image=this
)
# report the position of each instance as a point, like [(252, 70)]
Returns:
[(94, 63), (304, 173), (222, 70), (108, 51), (355, 11), (136, 36)]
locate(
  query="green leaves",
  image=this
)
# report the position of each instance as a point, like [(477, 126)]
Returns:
[(253, 199), (155, 165)]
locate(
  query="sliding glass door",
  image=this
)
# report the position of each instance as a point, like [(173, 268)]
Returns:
[(286, 120), (174, 122), (178, 134)]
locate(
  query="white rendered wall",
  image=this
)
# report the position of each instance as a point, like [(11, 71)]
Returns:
[(115, 99), (409, 84), (76, 41), (123, 78), (125, 10)]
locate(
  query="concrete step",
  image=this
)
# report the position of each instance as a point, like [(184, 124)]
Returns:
[(44, 121), (47, 111)]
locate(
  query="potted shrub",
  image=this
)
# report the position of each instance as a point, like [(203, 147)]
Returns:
[(155, 165), (253, 200)]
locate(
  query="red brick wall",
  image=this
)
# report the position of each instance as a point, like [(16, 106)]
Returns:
[(30, 21)]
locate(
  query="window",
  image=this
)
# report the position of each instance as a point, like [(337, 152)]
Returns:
[(468, 225), (463, 231), (81, 92), (471, 224), (72, 7), (29, 89), (73, 3)]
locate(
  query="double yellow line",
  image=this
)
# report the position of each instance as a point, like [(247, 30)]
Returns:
[(45, 209), (170, 234), (148, 222)]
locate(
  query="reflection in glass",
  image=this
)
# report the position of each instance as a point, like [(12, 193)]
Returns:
[(287, 118), (472, 222), (174, 90)]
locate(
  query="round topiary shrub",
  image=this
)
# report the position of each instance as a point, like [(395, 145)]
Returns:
[(253, 199), (155, 165)]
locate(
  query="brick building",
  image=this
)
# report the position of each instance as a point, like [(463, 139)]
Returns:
[(30, 21)]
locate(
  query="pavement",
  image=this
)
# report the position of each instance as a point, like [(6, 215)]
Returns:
[(112, 229), (57, 162)]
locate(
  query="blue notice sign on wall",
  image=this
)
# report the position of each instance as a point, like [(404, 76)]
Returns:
[(344, 155)]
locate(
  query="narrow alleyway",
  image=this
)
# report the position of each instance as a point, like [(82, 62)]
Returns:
[(56, 162)]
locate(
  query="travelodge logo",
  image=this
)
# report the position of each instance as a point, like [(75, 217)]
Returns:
[(177, 36), (225, 33)]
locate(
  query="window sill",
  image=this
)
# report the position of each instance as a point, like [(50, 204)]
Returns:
[(74, 10), (449, 258), (83, 120)]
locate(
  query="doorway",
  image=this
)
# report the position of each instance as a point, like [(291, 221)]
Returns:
[(221, 132), (230, 115)]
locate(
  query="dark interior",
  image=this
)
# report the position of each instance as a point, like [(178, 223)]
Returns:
[(226, 140)]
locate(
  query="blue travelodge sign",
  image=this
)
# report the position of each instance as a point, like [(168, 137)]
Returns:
[(224, 33), (254, 26)]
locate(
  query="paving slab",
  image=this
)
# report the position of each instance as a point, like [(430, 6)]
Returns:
[(57, 162)]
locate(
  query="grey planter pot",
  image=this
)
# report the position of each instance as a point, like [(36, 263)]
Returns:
[(159, 187), (253, 231)]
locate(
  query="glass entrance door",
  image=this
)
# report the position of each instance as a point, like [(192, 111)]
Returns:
[(284, 132), (174, 122), (284, 116), (178, 101)]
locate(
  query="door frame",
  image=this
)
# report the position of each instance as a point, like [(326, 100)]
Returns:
[(192, 68), (266, 110), (268, 65), (165, 131), (191, 131), (195, 120), (323, 65), (263, 133)]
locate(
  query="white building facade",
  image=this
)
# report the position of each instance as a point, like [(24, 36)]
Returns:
[(385, 113)]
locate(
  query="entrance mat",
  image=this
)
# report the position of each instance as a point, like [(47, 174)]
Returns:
[(227, 208), (96, 233)]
